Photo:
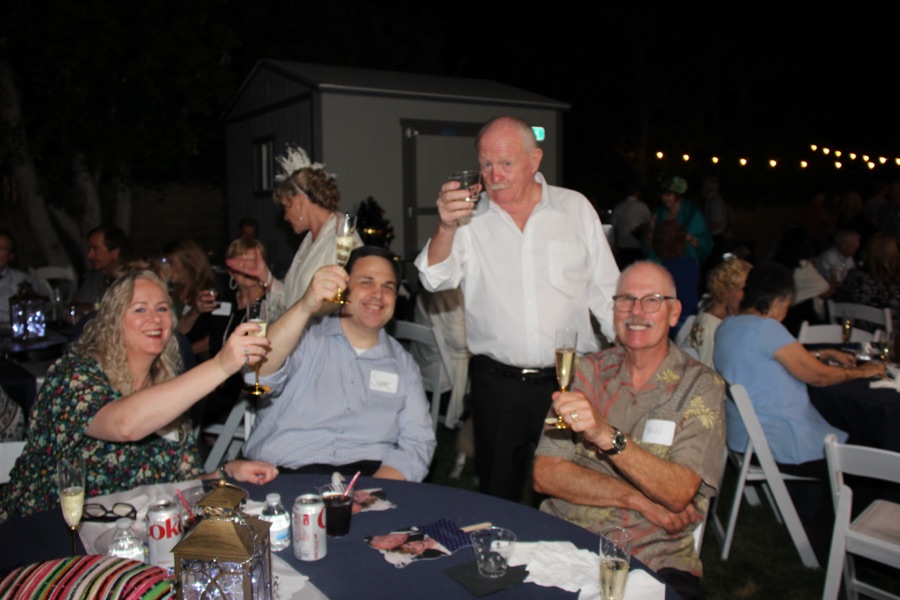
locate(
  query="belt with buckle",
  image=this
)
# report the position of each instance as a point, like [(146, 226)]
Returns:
[(524, 374)]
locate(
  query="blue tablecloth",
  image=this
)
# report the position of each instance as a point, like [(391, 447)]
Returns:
[(351, 569)]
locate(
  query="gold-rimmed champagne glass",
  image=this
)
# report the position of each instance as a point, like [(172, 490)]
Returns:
[(346, 227), (846, 329), (70, 482), (566, 343), (258, 314)]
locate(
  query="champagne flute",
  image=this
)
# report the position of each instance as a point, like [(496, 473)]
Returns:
[(846, 329), (70, 481), (566, 342), (615, 557), (467, 181), (346, 227), (258, 314)]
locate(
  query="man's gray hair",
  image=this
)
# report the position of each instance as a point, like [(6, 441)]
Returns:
[(670, 281), (529, 141)]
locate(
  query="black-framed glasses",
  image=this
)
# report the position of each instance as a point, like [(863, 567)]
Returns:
[(98, 512), (650, 303)]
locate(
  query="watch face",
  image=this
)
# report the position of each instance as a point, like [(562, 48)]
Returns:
[(619, 441)]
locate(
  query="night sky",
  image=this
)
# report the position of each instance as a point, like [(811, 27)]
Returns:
[(699, 78)]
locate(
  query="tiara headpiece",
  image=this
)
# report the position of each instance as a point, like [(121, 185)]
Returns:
[(294, 159)]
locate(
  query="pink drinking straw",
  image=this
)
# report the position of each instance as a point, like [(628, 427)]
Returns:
[(183, 501), (349, 488)]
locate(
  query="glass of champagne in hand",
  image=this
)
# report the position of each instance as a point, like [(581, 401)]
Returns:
[(346, 227), (566, 342), (258, 314), (70, 481), (468, 180)]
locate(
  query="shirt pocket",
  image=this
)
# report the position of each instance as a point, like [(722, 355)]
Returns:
[(567, 267)]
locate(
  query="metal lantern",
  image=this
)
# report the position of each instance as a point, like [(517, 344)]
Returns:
[(26, 314), (226, 554)]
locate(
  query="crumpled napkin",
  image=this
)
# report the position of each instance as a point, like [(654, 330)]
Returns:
[(140, 498), (892, 382), (564, 565)]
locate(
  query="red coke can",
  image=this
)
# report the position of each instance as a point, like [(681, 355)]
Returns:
[(163, 532), (308, 519)]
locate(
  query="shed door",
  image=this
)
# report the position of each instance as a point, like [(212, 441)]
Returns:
[(431, 151)]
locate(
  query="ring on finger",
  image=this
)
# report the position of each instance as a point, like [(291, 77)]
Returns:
[(574, 415), (246, 350)]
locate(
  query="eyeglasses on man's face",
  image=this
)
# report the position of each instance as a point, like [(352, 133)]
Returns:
[(649, 303)]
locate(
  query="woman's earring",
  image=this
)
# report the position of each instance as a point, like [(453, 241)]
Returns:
[(232, 284)]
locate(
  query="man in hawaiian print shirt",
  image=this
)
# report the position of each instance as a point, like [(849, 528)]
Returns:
[(646, 441)]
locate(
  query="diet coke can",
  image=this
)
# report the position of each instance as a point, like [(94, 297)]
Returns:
[(163, 532), (308, 518)]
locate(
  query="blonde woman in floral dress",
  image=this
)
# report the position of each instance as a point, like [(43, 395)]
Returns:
[(115, 402)]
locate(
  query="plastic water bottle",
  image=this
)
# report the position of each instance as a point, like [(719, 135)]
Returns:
[(274, 513), (124, 543)]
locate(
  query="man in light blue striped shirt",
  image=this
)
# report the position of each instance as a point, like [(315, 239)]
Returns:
[(345, 395)]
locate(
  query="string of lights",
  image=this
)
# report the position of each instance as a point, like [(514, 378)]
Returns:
[(821, 154)]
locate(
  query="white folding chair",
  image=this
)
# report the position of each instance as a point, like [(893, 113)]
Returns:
[(875, 533), (880, 317), (685, 331), (407, 331), (831, 334), (9, 452), (766, 474), (231, 435)]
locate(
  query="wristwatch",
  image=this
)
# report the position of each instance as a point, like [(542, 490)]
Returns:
[(619, 441)]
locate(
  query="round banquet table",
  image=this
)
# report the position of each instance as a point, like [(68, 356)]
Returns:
[(351, 569), (870, 416)]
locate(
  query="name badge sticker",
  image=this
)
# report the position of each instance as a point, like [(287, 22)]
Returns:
[(380, 381), (657, 431)]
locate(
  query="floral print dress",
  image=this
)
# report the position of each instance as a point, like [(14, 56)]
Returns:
[(74, 390)]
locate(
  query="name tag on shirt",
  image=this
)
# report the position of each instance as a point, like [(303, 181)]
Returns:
[(657, 431), (380, 381)]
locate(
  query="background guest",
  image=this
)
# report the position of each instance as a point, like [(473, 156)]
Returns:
[(669, 243), (194, 290), (107, 247), (676, 208), (9, 278), (310, 197), (877, 281), (629, 218), (726, 287)]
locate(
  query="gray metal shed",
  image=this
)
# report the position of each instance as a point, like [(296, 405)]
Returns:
[(390, 135)]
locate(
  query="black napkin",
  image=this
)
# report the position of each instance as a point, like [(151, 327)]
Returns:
[(467, 576)]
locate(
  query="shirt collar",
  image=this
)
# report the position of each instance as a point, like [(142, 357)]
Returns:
[(331, 326)]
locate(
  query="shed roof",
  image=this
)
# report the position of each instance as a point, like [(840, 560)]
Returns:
[(330, 78)]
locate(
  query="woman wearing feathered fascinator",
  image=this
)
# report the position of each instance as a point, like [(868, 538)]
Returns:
[(309, 197)]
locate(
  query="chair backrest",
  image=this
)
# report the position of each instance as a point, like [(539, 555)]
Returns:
[(9, 452), (881, 317), (760, 445), (685, 331), (64, 278), (422, 334), (858, 460), (831, 334)]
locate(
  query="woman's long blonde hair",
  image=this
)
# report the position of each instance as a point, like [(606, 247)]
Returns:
[(104, 336)]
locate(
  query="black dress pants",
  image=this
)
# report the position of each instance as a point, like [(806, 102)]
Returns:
[(508, 418)]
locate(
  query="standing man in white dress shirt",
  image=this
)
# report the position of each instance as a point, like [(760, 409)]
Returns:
[(530, 258)]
